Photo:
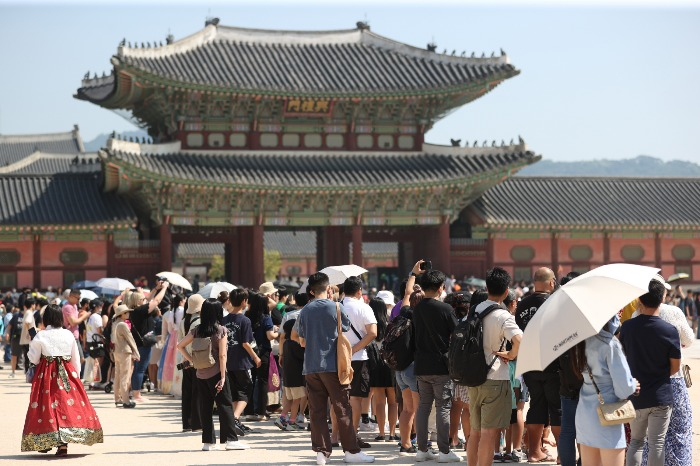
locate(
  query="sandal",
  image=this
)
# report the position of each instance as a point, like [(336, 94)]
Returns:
[(62, 450), (546, 459)]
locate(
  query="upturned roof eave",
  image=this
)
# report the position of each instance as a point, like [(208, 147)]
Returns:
[(221, 88), (495, 174)]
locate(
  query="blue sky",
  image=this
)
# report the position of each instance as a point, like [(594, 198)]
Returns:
[(596, 82)]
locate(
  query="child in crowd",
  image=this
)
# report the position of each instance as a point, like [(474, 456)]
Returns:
[(293, 364)]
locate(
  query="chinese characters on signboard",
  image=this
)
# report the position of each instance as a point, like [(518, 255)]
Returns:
[(308, 107)]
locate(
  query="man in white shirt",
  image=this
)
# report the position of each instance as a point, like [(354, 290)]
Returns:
[(361, 334), (491, 413)]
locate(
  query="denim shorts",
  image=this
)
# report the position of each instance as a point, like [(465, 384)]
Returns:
[(407, 379)]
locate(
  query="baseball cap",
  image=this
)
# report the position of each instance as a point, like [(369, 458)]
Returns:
[(386, 296)]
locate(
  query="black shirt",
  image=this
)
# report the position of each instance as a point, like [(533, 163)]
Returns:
[(140, 321), (526, 310), (433, 322), (293, 364)]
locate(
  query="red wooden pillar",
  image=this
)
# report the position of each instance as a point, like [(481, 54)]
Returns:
[(36, 252), (443, 253), (166, 248), (257, 250), (110, 256), (657, 249), (555, 253), (606, 248), (357, 245), (490, 252)]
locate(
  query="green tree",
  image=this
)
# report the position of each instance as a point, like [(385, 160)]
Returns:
[(273, 264), (216, 270)]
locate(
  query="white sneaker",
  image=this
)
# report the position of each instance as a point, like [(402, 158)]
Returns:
[(450, 457), (236, 445), (425, 456), (321, 458), (360, 457), (301, 419), (209, 447), (366, 427)]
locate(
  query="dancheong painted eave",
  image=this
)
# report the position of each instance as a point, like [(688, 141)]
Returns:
[(434, 166), (337, 64)]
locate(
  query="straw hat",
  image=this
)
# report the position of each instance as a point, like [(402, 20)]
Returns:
[(267, 288), (121, 309)]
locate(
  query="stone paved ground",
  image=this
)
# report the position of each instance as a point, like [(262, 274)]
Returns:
[(150, 435)]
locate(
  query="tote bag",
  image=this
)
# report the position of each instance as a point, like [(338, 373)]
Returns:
[(344, 350)]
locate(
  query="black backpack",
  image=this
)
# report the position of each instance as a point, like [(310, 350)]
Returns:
[(466, 361), (397, 350)]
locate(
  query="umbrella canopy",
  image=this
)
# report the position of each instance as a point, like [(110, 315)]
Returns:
[(477, 282), (579, 310), (106, 291), (212, 290), (677, 276), (176, 279), (337, 274), (87, 294), (82, 285), (115, 284)]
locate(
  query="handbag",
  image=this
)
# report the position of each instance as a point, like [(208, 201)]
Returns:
[(273, 376), (273, 379), (373, 358), (344, 354), (610, 414), (686, 376), (30, 373)]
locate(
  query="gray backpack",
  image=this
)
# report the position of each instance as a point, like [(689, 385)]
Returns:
[(201, 353)]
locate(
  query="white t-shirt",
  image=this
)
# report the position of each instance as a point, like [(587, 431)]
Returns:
[(499, 324), (360, 315), (93, 324)]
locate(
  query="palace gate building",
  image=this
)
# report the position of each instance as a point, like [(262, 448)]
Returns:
[(254, 131)]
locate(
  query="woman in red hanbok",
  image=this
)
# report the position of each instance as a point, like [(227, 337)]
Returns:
[(59, 410)]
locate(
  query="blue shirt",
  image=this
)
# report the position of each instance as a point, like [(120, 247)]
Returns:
[(318, 325), (260, 333), (612, 374), (239, 331), (649, 343)]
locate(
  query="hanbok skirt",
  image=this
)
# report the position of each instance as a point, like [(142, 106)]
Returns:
[(166, 368), (59, 410)]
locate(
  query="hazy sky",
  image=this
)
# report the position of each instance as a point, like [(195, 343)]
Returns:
[(596, 82)]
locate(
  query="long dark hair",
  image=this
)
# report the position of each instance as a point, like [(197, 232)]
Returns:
[(208, 322), (379, 308), (579, 363), (257, 307)]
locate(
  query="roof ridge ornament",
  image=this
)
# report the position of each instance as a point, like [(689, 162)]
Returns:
[(363, 25), (211, 21)]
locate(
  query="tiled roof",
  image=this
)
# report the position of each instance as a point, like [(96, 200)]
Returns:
[(288, 243), (39, 163), (63, 199), (15, 148), (598, 203), (345, 62), (435, 164)]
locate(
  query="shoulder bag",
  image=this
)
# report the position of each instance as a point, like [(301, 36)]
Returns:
[(610, 414), (373, 358), (344, 354)]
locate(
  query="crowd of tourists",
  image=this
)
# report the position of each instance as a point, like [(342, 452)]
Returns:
[(336, 362)]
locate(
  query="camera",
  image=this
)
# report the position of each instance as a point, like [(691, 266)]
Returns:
[(183, 365), (426, 265)]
